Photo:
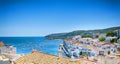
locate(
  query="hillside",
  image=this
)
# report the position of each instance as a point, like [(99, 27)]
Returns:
[(79, 32)]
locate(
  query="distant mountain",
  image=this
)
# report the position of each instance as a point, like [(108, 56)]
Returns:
[(79, 32)]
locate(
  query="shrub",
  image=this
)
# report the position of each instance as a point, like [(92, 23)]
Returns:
[(111, 34), (114, 40), (83, 54), (86, 36), (102, 39)]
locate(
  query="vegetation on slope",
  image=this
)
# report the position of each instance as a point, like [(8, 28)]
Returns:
[(79, 32)]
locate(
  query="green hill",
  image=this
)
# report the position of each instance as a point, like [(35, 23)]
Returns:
[(79, 32)]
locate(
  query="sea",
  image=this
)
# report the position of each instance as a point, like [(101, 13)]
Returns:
[(26, 44)]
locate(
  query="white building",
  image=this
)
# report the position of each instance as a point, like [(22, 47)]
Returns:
[(77, 37), (119, 41), (108, 39), (118, 33), (102, 35)]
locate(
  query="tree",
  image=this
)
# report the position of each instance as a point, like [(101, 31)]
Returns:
[(86, 36), (80, 53), (102, 39), (97, 35), (114, 40), (83, 54), (111, 34)]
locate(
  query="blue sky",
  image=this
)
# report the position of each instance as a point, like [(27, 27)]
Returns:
[(39, 18)]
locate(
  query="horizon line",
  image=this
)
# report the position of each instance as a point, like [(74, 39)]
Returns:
[(54, 33), (22, 36)]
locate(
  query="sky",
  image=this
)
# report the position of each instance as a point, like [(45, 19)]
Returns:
[(43, 17)]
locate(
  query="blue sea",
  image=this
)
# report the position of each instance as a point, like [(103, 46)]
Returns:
[(25, 44)]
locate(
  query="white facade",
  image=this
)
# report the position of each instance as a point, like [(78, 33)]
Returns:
[(76, 37), (118, 33), (119, 41), (108, 39), (102, 35)]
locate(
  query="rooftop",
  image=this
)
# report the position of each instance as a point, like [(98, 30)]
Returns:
[(39, 57)]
